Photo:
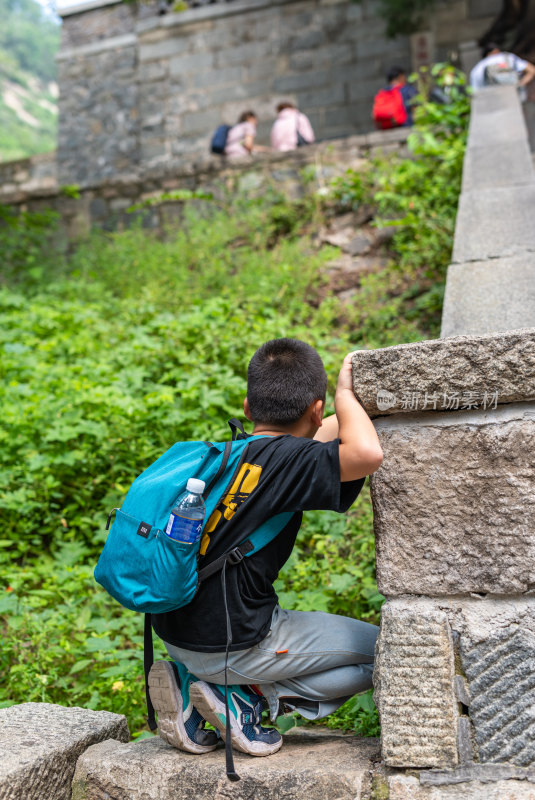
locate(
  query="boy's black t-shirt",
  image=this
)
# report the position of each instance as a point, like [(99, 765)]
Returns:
[(279, 474)]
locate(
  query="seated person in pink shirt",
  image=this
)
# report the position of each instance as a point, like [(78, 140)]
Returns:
[(240, 139), (290, 121)]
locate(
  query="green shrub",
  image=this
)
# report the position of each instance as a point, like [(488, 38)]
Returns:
[(132, 342), (418, 197)]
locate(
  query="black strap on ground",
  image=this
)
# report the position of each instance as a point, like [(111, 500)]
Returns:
[(232, 775), (148, 658), (236, 427)]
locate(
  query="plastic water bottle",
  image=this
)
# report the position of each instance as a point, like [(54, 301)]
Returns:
[(187, 516)]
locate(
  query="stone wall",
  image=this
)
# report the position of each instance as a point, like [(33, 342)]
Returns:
[(106, 204), (36, 175), (138, 90), (454, 501)]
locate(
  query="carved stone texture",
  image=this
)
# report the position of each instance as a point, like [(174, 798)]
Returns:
[(501, 677), (447, 374), (408, 787), (308, 767), (496, 637), (454, 507), (414, 692), (484, 773), (464, 741), (41, 743)]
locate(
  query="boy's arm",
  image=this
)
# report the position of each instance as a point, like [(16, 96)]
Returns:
[(360, 450), (528, 74), (328, 430)]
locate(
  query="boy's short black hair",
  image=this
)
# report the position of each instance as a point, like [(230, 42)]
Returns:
[(283, 378), (393, 73)]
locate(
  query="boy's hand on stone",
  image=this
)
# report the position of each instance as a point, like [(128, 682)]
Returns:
[(345, 378), (360, 452)]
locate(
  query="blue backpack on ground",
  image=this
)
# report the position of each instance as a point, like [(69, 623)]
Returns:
[(146, 570), (219, 139)]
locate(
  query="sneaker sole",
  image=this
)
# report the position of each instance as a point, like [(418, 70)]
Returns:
[(166, 698), (213, 710)]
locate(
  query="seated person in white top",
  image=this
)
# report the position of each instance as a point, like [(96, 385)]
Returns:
[(290, 121), (493, 56)]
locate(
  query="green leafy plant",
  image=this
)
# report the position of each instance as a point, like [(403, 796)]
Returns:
[(70, 190), (404, 16), (177, 196), (29, 41), (24, 238), (111, 352), (417, 196), (359, 714)]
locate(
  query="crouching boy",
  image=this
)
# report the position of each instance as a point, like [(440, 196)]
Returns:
[(280, 660)]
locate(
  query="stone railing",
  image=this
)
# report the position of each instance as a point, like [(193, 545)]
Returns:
[(454, 507), (491, 281), (106, 203), (41, 743), (198, 3), (33, 176)]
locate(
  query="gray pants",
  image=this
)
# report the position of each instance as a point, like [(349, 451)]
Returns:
[(316, 660)]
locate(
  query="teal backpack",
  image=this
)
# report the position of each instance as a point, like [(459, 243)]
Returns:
[(146, 570)]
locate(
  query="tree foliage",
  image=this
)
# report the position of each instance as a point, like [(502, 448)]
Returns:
[(29, 40), (404, 16)]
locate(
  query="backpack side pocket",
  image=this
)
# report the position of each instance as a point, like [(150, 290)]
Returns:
[(174, 572), (143, 569)]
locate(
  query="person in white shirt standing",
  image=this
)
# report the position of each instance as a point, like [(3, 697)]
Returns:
[(291, 129), (498, 67)]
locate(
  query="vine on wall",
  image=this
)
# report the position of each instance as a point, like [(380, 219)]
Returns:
[(404, 16)]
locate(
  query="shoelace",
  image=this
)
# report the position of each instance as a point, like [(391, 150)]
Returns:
[(253, 717)]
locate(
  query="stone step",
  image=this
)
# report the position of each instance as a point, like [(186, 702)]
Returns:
[(402, 786), (312, 765), (40, 744)]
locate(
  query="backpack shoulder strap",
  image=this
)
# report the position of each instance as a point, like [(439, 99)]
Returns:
[(236, 427), (220, 471), (265, 534), (233, 556), (261, 536), (258, 539)]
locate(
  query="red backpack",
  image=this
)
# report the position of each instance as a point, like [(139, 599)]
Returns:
[(388, 109)]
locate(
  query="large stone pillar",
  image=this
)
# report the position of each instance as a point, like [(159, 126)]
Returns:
[(454, 517)]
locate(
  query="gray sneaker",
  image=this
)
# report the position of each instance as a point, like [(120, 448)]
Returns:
[(245, 706), (179, 722)]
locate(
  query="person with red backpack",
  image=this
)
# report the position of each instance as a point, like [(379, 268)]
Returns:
[(392, 106)]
